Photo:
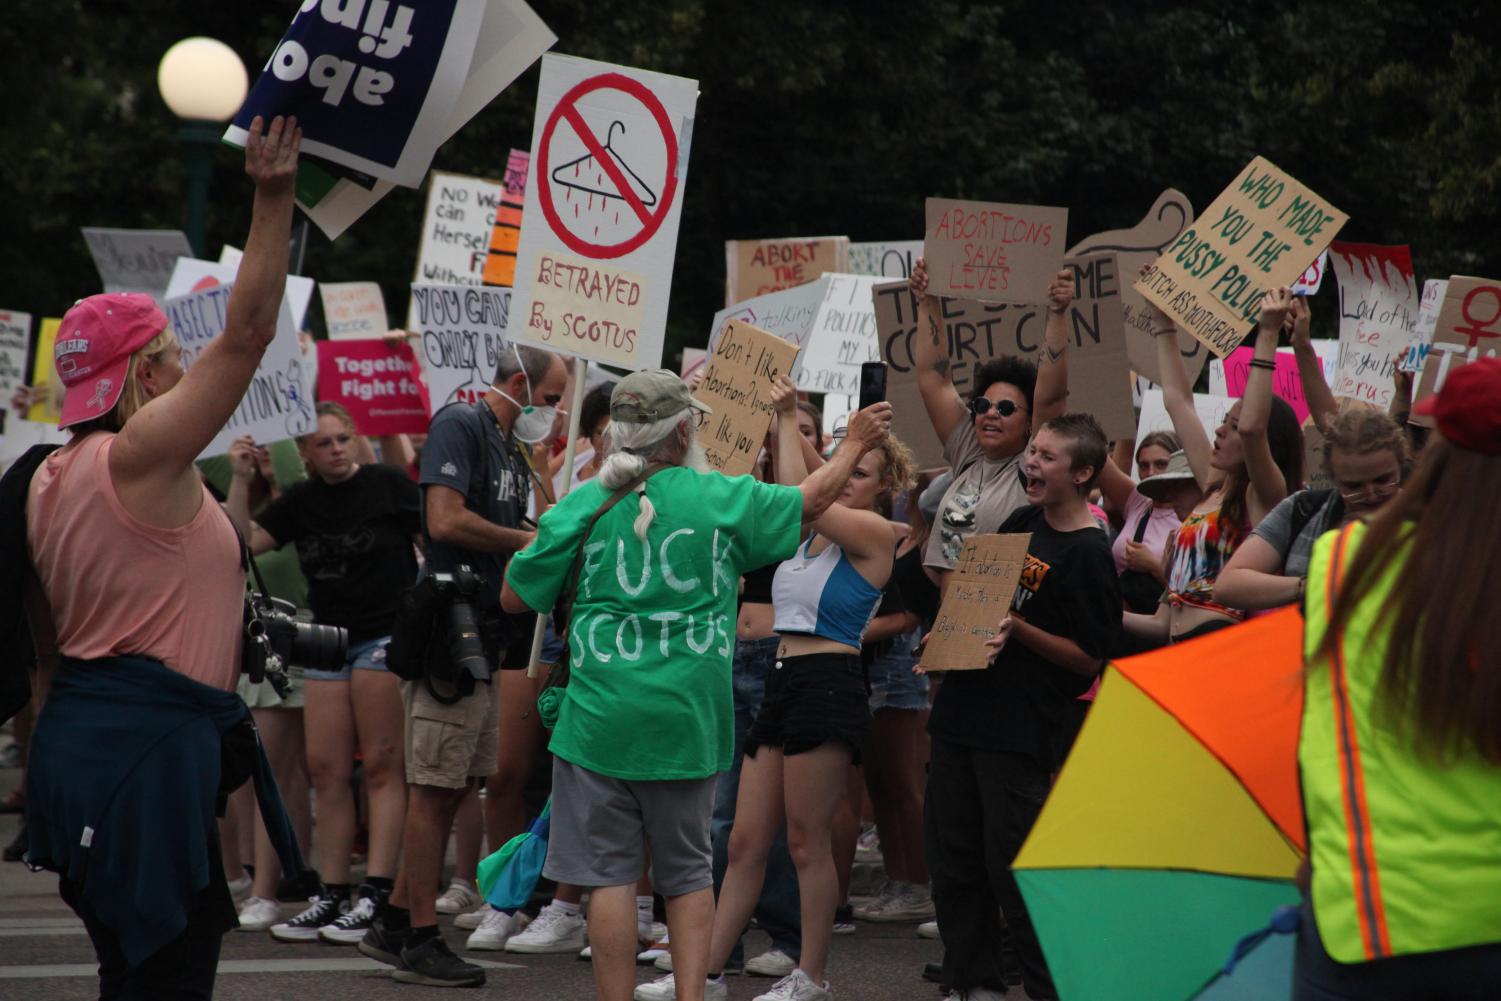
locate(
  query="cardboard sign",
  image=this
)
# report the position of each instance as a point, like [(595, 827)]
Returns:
[(604, 196), (737, 387), (841, 338), (511, 37), (756, 267), (1312, 279), (500, 262), (136, 260), (789, 313), (978, 332), (979, 595), (1135, 248), (462, 330), (993, 251), (278, 403), (15, 341), (1228, 375), (44, 374), (1378, 308), (1211, 411), (1315, 469), (1422, 331), (885, 260), (353, 310), (377, 381), (1261, 232), (1468, 329), (456, 226)]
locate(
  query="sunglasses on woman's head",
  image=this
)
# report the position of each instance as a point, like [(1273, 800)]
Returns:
[(981, 405)]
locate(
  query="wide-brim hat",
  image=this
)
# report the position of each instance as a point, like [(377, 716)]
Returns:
[(1159, 486)]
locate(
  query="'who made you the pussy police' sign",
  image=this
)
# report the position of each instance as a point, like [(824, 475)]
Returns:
[(370, 81)]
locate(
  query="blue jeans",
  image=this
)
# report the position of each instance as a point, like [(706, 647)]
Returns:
[(779, 910)]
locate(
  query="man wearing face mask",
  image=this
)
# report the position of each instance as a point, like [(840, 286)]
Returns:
[(475, 483)]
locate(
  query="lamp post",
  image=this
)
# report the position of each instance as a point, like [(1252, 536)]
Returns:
[(204, 83)]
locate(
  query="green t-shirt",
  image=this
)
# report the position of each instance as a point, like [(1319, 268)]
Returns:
[(653, 625)]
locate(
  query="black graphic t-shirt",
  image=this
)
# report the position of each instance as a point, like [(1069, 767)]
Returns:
[(1019, 704), (355, 543)]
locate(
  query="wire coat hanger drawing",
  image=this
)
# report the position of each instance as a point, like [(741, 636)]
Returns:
[(579, 166)]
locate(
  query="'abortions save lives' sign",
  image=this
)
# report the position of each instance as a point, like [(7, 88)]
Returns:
[(461, 333), (736, 385), (278, 403), (1262, 232), (977, 598), (991, 251), (377, 381), (604, 196)]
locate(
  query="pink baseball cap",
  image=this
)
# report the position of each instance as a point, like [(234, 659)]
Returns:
[(94, 344)]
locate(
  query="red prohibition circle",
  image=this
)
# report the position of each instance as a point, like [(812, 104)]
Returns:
[(651, 222)]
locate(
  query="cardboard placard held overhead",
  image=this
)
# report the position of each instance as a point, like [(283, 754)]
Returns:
[(136, 260), (992, 251), (1422, 331), (500, 261), (604, 197), (789, 313), (885, 260), (757, 267), (977, 332), (978, 597), (1261, 232), (353, 310), (462, 332), (15, 342), (841, 338), (737, 387), (1468, 329), (377, 381), (1135, 248), (456, 227), (1378, 309)]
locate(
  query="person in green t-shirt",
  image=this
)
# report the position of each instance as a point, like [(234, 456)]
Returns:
[(645, 724)]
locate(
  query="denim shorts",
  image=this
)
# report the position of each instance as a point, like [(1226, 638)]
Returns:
[(367, 656), (892, 683), (811, 700)]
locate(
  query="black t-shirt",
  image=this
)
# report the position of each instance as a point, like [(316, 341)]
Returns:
[(1019, 703), (354, 541), (919, 593), (466, 452)]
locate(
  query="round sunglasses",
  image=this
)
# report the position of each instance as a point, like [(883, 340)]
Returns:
[(981, 405)]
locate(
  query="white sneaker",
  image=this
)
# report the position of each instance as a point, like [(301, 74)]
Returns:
[(554, 931), (888, 892), (928, 929), (239, 889), (651, 933), (773, 963), (258, 914), (655, 951), (587, 952), (473, 919), (495, 931), (797, 987), (461, 896), (905, 902), (665, 989), (868, 846)]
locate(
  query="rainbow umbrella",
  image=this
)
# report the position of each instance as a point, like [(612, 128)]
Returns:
[(1175, 829)]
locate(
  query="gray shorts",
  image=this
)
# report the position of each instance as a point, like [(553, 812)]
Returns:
[(601, 827)]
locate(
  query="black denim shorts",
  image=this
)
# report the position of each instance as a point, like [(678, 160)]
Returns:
[(811, 700)]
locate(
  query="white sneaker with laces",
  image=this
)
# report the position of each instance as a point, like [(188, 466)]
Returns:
[(772, 963), (472, 919), (239, 889), (905, 902), (351, 926), (889, 892), (554, 931), (495, 931), (461, 896), (258, 914), (928, 929), (665, 989), (796, 986)]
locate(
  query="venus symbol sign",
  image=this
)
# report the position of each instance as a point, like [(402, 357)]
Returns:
[(608, 167)]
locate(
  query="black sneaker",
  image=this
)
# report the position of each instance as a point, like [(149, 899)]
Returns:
[(350, 927), (321, 910), (305, 884), (382, 944), (433, 964)]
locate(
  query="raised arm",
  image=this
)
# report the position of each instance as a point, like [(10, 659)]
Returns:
[(930, 355), (867, 429), (791, 465), (1268, 486), (1050, 398), (1178, 400), (1321, 405), (159, 444), (242, 467), (1115, 479), (1401, 405)]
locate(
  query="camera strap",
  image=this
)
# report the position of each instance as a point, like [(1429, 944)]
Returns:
[(247, 562)]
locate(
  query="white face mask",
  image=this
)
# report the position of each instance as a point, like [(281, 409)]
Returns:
[(534, 423)]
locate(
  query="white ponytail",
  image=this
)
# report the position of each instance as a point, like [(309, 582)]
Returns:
[(628, 450)]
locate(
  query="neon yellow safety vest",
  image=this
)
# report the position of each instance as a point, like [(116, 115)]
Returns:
[(1406, 853)]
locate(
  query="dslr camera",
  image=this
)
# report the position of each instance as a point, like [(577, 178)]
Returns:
[(466, 662), (278, 633)]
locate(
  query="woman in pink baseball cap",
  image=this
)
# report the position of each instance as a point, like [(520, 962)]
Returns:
[(139, 618)]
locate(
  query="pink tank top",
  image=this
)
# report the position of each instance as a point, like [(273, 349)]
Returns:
[(118, 586)]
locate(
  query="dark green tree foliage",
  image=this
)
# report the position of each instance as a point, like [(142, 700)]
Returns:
[(832, 118)]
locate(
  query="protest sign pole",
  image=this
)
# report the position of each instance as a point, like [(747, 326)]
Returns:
[(575, 415)]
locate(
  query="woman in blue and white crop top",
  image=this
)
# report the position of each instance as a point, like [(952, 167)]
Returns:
[(815, 713)]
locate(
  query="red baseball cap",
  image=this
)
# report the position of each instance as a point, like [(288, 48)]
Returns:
[(1467, 411), (94, 344)]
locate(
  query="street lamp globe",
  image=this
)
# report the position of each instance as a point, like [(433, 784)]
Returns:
[(202, 79)]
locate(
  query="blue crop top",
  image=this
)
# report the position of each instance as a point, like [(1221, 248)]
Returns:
[(823, 596)]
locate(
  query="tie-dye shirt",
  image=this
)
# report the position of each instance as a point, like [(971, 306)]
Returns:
[(1200, 551)]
